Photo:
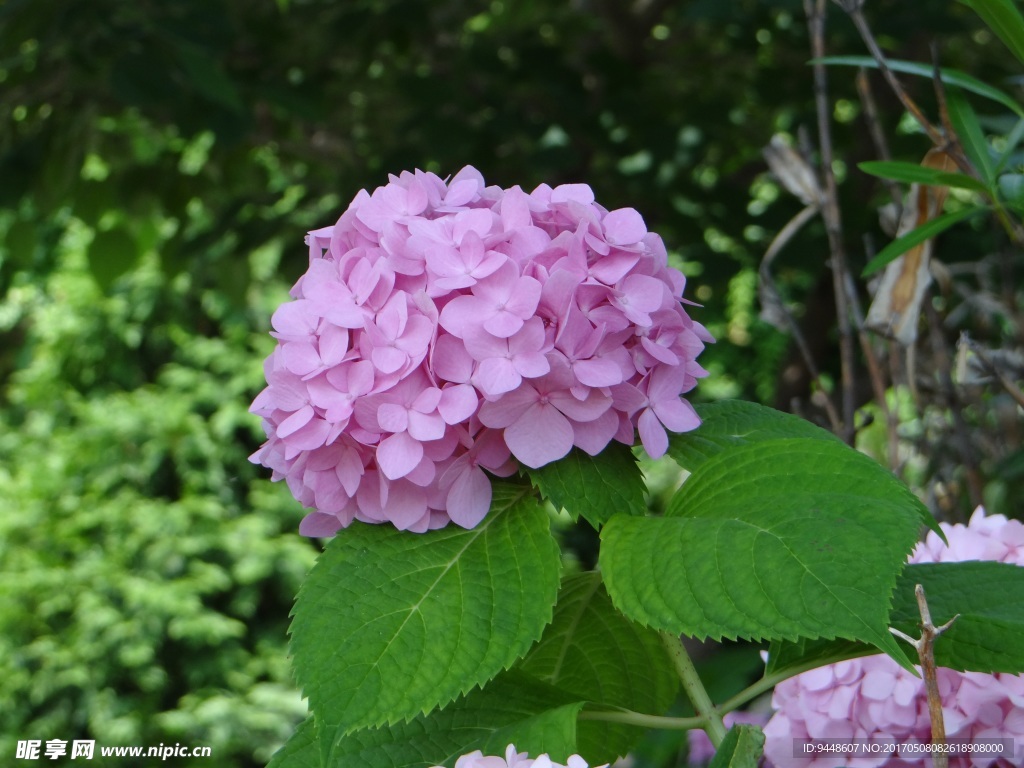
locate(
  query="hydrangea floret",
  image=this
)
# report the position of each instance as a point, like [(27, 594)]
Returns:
[(875, 698), (444, 329)]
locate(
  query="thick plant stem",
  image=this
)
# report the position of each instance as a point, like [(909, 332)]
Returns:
[(694, 688)]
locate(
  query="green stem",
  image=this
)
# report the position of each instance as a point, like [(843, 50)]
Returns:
[(641, 720), (710, 718)]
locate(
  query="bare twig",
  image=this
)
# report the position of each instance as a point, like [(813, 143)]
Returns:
[(867, 98), (925, 648), (773, 303), (947, 391), (878, 385), (815, 11), (1011, 388), (857, 16)]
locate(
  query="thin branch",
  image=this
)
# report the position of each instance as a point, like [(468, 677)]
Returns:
[(876, 53), (947, 391), (877, 377), (815, 10), (878, 138), (925, 648), (639, 719), (1011, 388), (775, 298)]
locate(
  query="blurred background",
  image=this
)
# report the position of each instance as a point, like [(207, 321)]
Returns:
[(160, 163)]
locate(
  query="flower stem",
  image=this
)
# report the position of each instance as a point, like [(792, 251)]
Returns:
[(639, 719), (698, 695)]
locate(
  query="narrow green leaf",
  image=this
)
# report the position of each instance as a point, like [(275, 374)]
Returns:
[(990, 600), (595, 653), (742, 747), (512, 709), (965, 123), (732, 423), (780, 539), (926, 231), (594, 487), (1005, 21), (389, 624), (300, 751), (913, 173), (948, 76)]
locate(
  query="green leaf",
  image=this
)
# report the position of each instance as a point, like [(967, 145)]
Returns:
[(965, 123), (594, 487), (389, 624), (1005, 21), (593, 652), (990, 600), (926, 231), (780, 539), (512, 709), (733, 423), (948, 76), (985, 638), (912, 173), (742, 747), (300, 751), (791, 658), (111, 254)]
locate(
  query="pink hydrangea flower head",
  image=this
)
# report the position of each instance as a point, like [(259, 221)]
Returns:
[(446, 329), (514, 759), (875, 698)]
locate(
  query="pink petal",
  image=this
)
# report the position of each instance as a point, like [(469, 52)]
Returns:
[(469, 498), (624, 227), (597, 372), (541, 435), (398, 455), (496, 375), (652, 434), (457, 403), (508, 408)]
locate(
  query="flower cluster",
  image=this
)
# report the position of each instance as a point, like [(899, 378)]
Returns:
[(874, 697), (515, 759), (443, 329)]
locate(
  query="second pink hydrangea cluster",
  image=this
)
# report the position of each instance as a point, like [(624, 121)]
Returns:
[(443, 329), (875, 698), (514, 759)]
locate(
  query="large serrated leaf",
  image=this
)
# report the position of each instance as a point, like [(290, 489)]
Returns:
[(732, 423), (512, 709), (987, 637), (595, 653), (300, 751), (594, 487), (780, 539), (390, 624), (741, 748)]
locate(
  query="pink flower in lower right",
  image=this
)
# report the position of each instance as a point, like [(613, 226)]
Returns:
[(874, 698)]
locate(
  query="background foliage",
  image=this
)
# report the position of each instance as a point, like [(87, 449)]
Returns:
[(159, 163)]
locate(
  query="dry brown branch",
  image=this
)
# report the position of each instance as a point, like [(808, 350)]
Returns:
[(816, 14)]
